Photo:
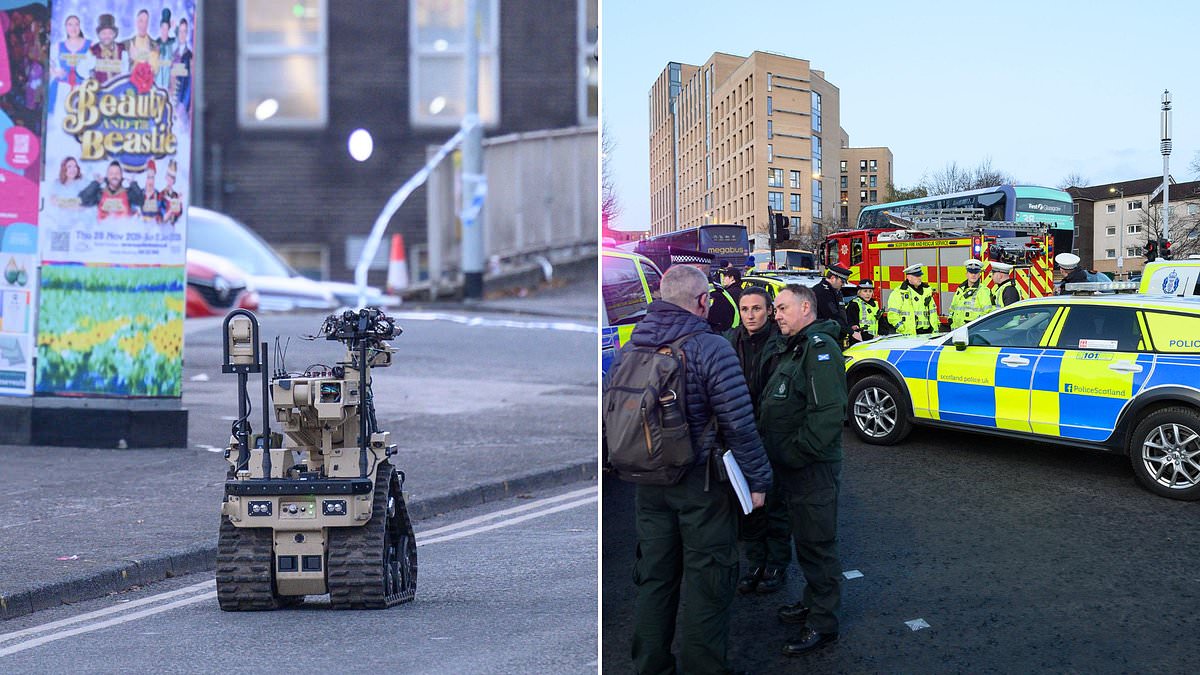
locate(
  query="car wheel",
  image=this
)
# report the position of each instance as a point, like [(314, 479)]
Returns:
[(1165, 453), (879, 411)]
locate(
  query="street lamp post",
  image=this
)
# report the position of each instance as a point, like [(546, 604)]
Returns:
[(1121, 232)]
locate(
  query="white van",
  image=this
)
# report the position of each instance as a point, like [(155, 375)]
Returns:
[(1171, 277)]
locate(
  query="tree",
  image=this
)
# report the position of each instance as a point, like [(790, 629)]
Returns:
[(1195, 165), (1073, 179), (953, 178), (1184, 233), (899, 194), (610, 207)]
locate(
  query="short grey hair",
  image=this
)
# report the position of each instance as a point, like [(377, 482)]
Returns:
[(682, 284), (803, 294)]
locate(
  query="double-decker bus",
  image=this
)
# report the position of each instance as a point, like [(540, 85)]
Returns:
[(1013, 203), (724, 242)]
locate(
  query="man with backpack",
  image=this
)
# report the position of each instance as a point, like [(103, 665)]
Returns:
[(686, 517)]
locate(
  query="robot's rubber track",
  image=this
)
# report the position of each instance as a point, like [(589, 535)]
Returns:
[(357, 572), (244, 560)]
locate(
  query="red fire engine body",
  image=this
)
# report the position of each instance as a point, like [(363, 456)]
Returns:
[(881, 254)]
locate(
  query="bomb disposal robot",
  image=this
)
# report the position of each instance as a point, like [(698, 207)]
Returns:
[(323, 511)]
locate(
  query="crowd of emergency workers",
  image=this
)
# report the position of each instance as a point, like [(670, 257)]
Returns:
[(769, 372)]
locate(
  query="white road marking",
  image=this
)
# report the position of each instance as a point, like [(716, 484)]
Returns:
[(568, 326), (202, 590), (917, 624)]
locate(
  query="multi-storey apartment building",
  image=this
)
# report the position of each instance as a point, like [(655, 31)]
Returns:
[(863, 177), (1113, 221), (738, 137)]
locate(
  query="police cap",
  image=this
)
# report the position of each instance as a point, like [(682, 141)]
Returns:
[(865, 283), (1003, 268), (973, 265), (915, 270), (1067, 261), (838, 271)]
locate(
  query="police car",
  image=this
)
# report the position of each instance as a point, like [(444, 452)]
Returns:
[(1171, 277), (628, 283), (1115, 373)]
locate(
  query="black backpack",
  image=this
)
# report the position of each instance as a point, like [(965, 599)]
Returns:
[(645, 415)]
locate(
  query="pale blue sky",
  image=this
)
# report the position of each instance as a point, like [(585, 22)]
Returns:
[(1084, 80)]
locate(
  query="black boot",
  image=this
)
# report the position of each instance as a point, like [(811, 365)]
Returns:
[(750, 580), (809, 641), (772, 580)]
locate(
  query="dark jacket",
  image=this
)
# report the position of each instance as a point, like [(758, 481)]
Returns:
[(829, 306), (722, 309), (804, 402), (1077, 275), (753, 352), (715, 387)]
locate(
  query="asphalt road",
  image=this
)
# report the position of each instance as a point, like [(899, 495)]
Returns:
[(474, 397), (1020, 557), (498, 591)]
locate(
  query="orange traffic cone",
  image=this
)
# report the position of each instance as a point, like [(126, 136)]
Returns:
[(397, 276)]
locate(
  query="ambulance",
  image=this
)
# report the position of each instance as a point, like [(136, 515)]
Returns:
[(941, 242)]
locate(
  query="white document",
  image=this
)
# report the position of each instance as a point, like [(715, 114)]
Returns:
[(738, 481)]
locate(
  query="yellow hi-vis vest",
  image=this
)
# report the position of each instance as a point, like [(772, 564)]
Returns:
[(868, 315), (970, 303), (911, 311)]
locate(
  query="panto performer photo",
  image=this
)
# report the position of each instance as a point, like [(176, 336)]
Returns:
[(112, 199), (141, 48), (68, 55), (149, 201), (181, 71), (170, 202), (166, 52), (64, 192), (110, 57)]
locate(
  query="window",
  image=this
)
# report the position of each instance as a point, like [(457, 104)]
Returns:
[(437, 76), (1016, 328), (1095, 327), (794, 202), (282, 64), (862, 196), (770, 153), (862, 165), (770, 129), (1133, 229), (874, 196), (589, 60), (774, 177), (843, 166), (653, 278), (1112, 208), (816, 154), (624, 296), (873, 181), (794, 221), (1134, 205), (1111, 231), (816, 200), (1131, 253), (794, 180), (862, 181), (1110, 253), (775, 201), (770, 106), (856, 252), (816, 111), (845, 182), (874, 165)]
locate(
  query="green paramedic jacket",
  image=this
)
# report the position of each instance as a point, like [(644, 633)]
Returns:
[(803, 404)]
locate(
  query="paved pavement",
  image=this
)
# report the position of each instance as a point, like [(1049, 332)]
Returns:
[(480, 416)]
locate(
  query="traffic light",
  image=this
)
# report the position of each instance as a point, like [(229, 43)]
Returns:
[(1151, 250), (1164, 249), (781, 228)]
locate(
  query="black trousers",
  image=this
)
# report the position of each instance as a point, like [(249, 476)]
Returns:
[(812, 496)]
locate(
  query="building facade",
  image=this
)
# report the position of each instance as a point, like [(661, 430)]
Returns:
[(738, 138), (283, 91), (864, 175), (1114, 221)]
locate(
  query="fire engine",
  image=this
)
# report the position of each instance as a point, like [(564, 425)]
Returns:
[(941, 240)]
